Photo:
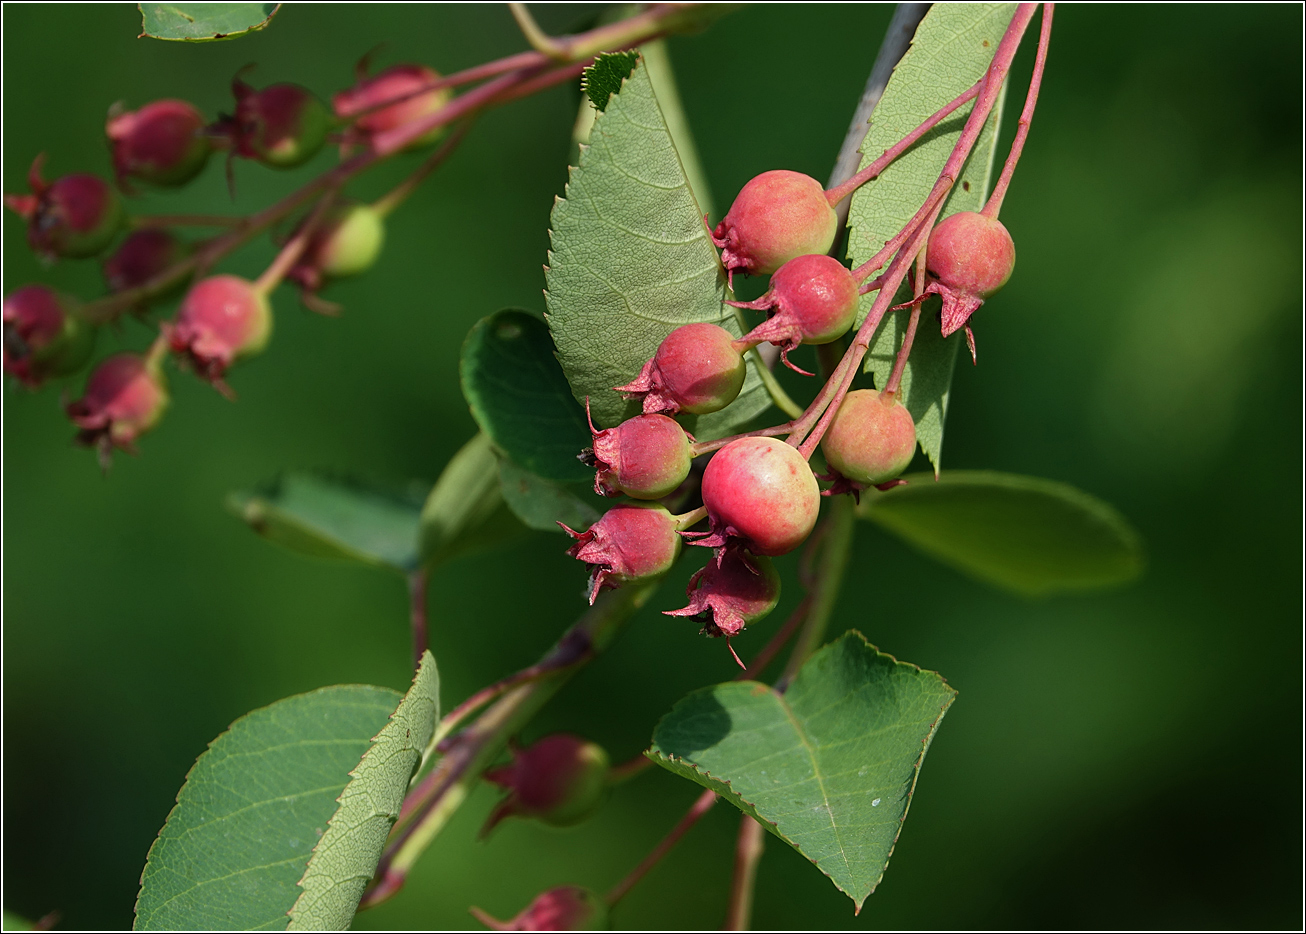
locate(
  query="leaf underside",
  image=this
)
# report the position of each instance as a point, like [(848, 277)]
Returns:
[(541, 504), (829, 766), (204, 22), (953, 46), (465, 510)]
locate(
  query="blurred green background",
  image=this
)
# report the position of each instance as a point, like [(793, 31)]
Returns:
[(1122, 760)]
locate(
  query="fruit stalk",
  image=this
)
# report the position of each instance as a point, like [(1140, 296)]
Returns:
[(994, 204), (701, 806)]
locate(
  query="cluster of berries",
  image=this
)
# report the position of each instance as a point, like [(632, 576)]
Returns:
[(221, 318), (760, 496)]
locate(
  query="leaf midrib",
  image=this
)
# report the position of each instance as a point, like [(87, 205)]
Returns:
[(816, 771)]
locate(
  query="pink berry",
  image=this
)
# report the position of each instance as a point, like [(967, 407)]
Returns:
[(162, 143), (74, 216), (728, 595), (696, 369), (125, 397), (346, 243), (631, 542), (283, 125), (760, 493), (566, 908), (970, 256), (140, 257), (395, 81), (813, 300), (871, 440), (560, 780), (645, 457), (43, 336), (221, 319), (777, 216)]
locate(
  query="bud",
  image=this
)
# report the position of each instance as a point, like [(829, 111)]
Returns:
[(125, 397), (221, 319), (566, 908), (560, 780), (697, 369), (283, 125), (631, 542), (75, 216), (162, 143), (346, 242), (645, 457), (777, 216), (393, 82), (728, 594), (142, 256), (43, 338)]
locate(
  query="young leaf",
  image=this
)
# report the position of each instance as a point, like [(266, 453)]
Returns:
[(465, 509), (520, 397), (829, 766), (951, 50), (347, 855), (542, 504), (631, 261), (330, 518), (1024, 534), (253, 808), (204, 22)]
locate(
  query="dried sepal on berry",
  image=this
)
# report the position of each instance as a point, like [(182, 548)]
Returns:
[(698, 368), (630, 542), (731, 592), (777, 216), (812, 300), (645, 457)]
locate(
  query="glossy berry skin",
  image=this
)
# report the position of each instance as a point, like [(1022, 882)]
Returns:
[(631, 542), (74, 216), (125, 397), (346, 243), (162, 143), (645, 457), (760, 493), (221, 319), (566, 908), (777, 216), (282, 126), (142, 256), (43, 338), (813, 300), (393, 82), (872, 438), (559, 780), (970, 257), (696, 369), (728, 595)]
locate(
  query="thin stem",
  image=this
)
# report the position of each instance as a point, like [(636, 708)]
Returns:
[(154, 221), (782, 400), (482, 697), (289, 254), (706, 447), (699, 808), (392, 141), (748, 853), (769, 651), (627, 770), (546, 80), (417, 611), (400, 193), (540, 41), (691, 518), (994, 204), (900, 365)]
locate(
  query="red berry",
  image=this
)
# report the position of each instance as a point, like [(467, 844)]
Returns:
[(345, 243), (777, 216), (728, 595), (970, 256), (75, 216), (42, 335), (760, 493), (393, 82), (283, 125), (560, 780), (221, 319), (696, 369), (566, 908), (872, 438), (141, 257), (645, 457), (125, 397), (162, 143), (631, 542), (813, 299)]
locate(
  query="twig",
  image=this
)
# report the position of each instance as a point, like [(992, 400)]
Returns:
[(900, 365), (748, 853), (400, 193), (699, 808), (999, 192)]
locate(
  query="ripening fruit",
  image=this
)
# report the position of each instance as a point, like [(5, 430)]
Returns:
[(74, 216), (142, 256), (566, 908), (761, 493), (970, 256), (395, 81), (283, 125), (729, 594), (777, 216), (697, 369), (872, 438), (645, 457), (125, 397), (346, 242), (163, 143), (43, 337), (559, 780), (631, 542), (221, 319), (813, 300)]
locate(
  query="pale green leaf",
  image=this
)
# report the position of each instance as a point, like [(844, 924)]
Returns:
[(1024, 534), (204, 22), (465, 510), (829, 766), (631, 261), (542, 504), (953, 46)]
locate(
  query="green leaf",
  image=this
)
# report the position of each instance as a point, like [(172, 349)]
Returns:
[(348, 853), (520, 397), (953, 46), (252, 809), (604, 78), (331, 518), (465, 510), (204, 22), (829, 766), (1024, 534), (631, 261), (542, 504)]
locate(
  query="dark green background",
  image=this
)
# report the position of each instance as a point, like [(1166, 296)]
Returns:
[(1125, 760)]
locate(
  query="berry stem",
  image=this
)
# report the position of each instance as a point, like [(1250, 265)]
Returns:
[(294, 249), (689, 519), (900, 365), (701, 806), (748, 853), (994, 204), (706, 447), (400, 193), (154, 221), (628, 769)]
